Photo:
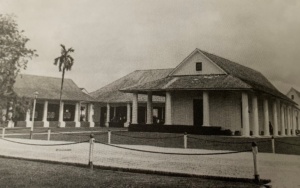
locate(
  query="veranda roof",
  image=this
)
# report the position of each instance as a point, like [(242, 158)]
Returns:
[(49, 88), (110, 93)]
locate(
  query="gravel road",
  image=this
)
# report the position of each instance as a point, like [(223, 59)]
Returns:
[(283, 170)]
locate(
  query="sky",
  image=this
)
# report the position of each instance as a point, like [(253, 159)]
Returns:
[(112, 38)]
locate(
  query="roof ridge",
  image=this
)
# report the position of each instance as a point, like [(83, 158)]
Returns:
[(42, 76)]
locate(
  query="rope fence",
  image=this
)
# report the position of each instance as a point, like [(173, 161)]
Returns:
[(23, 143), (185, 137)]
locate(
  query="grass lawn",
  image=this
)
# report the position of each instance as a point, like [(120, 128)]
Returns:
[(22, 173), (119, 136)]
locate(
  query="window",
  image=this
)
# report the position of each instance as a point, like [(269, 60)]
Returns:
[(292, 97), (199, 66)]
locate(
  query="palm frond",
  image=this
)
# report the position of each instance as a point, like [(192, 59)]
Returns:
[(56, 60)]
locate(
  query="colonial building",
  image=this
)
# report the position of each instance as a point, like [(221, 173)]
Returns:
[(207, 90), (114, 107), (76, 109)]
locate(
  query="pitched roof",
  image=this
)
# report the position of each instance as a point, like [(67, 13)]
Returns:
[(111, 93), (241, 77), (207, 82), (48, 88)]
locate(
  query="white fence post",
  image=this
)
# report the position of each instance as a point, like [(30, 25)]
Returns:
[(108, 137), (49, 133), (255, 152), (185, 140), (273, 144), (92, 140)]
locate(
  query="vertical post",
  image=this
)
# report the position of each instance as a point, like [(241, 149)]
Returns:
[(45, 113), (134, 108), (266, 118), (275, 119), (294, 122), (168, 111), (245, 112), (255, 116), (92, 140), (126, 124), (49, 133), (149, 109), (76, 115), (206, 109), (288, 121), (107, 115), (282, 121), (33, 114), (273, 144), (91, 115), (255, 152), (61, 115), (185, 140), (108, 137), (3, 132)]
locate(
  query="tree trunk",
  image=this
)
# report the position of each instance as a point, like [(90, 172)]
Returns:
[(62, 85)]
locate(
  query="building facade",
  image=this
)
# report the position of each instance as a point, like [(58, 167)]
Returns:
[(208, 90), (75, 110)]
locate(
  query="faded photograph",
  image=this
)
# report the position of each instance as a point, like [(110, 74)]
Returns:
[(168, 93)]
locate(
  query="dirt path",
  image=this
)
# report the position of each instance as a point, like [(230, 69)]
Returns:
[(283, 170)]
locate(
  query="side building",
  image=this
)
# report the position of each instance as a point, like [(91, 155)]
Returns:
[(113, 108), (76, 109)]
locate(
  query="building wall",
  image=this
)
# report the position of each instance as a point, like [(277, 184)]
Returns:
[(225, 108), (182, 107), (189, 66)]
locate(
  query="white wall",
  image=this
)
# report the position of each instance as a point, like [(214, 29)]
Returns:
[(189, 66), (225, 108)]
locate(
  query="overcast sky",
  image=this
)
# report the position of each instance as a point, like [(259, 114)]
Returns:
[(112, 38)]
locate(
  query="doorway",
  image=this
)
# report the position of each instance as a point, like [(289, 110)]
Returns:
[(198, 112)]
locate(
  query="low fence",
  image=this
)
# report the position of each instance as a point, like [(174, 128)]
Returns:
[(185, 138)]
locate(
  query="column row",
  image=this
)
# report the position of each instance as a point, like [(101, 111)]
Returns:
[(61, 122), (287, 114)]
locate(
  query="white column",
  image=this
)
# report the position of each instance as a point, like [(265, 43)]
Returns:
[(27, 120), (91, 115), (275, 119), (149, 109), (266, 118), (45, 114), (288, 121), (168, 111), (255, 116), (294, 122), (206, 109), (134, 108), (245, 112), (297, 121), (61, 122), (282, 121), (76, 115), (126, 124), (107, 115)]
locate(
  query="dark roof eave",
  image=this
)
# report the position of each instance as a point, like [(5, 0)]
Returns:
[(183, 89)]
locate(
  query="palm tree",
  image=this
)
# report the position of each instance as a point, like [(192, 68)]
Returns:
[(65, 63)]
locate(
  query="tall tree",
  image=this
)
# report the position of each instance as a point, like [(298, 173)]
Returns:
[(14, 56), (65, 63)]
